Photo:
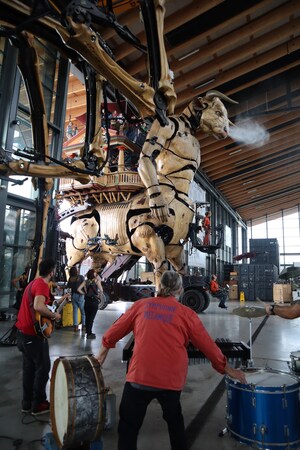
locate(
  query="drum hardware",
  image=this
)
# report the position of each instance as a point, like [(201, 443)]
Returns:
[(294, 364), (250, 362), (249, 312)]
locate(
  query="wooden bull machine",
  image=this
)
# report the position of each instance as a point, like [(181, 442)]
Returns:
[(146, 211)]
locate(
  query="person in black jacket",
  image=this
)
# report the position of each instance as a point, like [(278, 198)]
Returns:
[(93, 288)]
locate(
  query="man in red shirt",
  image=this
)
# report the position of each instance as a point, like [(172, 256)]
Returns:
[(217, 292), (34, 348), (162, 329)]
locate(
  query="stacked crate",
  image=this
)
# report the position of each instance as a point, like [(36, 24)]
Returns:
[(228, 268), (267, 251), (233, 293), (282, 293), (256, 280)]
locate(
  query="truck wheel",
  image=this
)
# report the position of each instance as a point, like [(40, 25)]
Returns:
[(103, 301), (207, 300), (194, 299)]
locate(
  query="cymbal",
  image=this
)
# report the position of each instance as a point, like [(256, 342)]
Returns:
[(249, 311)]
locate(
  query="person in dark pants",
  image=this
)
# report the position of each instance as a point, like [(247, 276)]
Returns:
[(93, 288), (162, 329), (34, 348), (20, 284), (217, 292)]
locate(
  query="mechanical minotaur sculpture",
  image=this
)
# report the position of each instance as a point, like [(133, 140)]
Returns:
[(154, 223)]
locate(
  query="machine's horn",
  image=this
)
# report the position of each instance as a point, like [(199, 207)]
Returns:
[(221, 96)]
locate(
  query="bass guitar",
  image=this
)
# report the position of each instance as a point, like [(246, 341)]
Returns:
[(45, 326)]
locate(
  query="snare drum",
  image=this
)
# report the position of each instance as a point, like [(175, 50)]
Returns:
[(266, 411), (295, 362), (76, 401)]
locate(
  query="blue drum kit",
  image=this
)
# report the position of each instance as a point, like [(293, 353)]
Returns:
[(265, 412)]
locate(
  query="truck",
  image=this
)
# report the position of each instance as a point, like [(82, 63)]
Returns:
[(116, 286)]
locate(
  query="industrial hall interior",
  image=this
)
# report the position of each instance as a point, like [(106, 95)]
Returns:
[(150, 226)]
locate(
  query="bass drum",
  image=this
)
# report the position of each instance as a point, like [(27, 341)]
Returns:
[(266, 411), (77, 403)]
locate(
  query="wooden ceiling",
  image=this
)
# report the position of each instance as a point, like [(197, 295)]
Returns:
[(248, 50)]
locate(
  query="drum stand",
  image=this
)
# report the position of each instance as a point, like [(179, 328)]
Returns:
[(250, 361)]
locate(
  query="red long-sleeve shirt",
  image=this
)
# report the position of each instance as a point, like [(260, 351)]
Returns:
[(162, 329), (214, 286)]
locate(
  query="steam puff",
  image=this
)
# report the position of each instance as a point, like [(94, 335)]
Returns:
[(249, 132)]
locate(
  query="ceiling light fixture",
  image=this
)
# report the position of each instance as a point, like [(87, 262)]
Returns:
[(204, 84), (240, 162), (236, 151), (189, 54)]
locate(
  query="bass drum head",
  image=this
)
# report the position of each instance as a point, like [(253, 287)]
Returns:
[(271, 379), (267, 378), (61, 404), (77, 403)]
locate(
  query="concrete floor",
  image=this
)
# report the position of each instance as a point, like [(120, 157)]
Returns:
[(204, 397)]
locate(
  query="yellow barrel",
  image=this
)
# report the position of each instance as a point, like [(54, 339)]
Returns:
[(67, 315)]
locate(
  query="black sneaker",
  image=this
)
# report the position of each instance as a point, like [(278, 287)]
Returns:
[(26, 407), (42, 408), (91, 336)]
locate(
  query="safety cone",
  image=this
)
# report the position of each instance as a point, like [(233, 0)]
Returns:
[(242, 297)]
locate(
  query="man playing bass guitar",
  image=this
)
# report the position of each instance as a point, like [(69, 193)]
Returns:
[(34, 347)]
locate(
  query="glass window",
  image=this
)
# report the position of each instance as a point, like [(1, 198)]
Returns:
[(48, 72), (228, 236), (22, 132), (285, 227), (18, 235), (25, 189), (7, 265), (18, 226)]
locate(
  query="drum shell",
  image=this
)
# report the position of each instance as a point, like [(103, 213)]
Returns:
[(77, 401), (264, 415)]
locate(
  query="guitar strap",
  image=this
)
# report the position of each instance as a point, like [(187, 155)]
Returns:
[(30, 299)]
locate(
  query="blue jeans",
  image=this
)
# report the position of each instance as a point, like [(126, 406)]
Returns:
[(78, 302)]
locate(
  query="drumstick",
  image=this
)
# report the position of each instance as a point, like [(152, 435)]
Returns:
[(260, 301)]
